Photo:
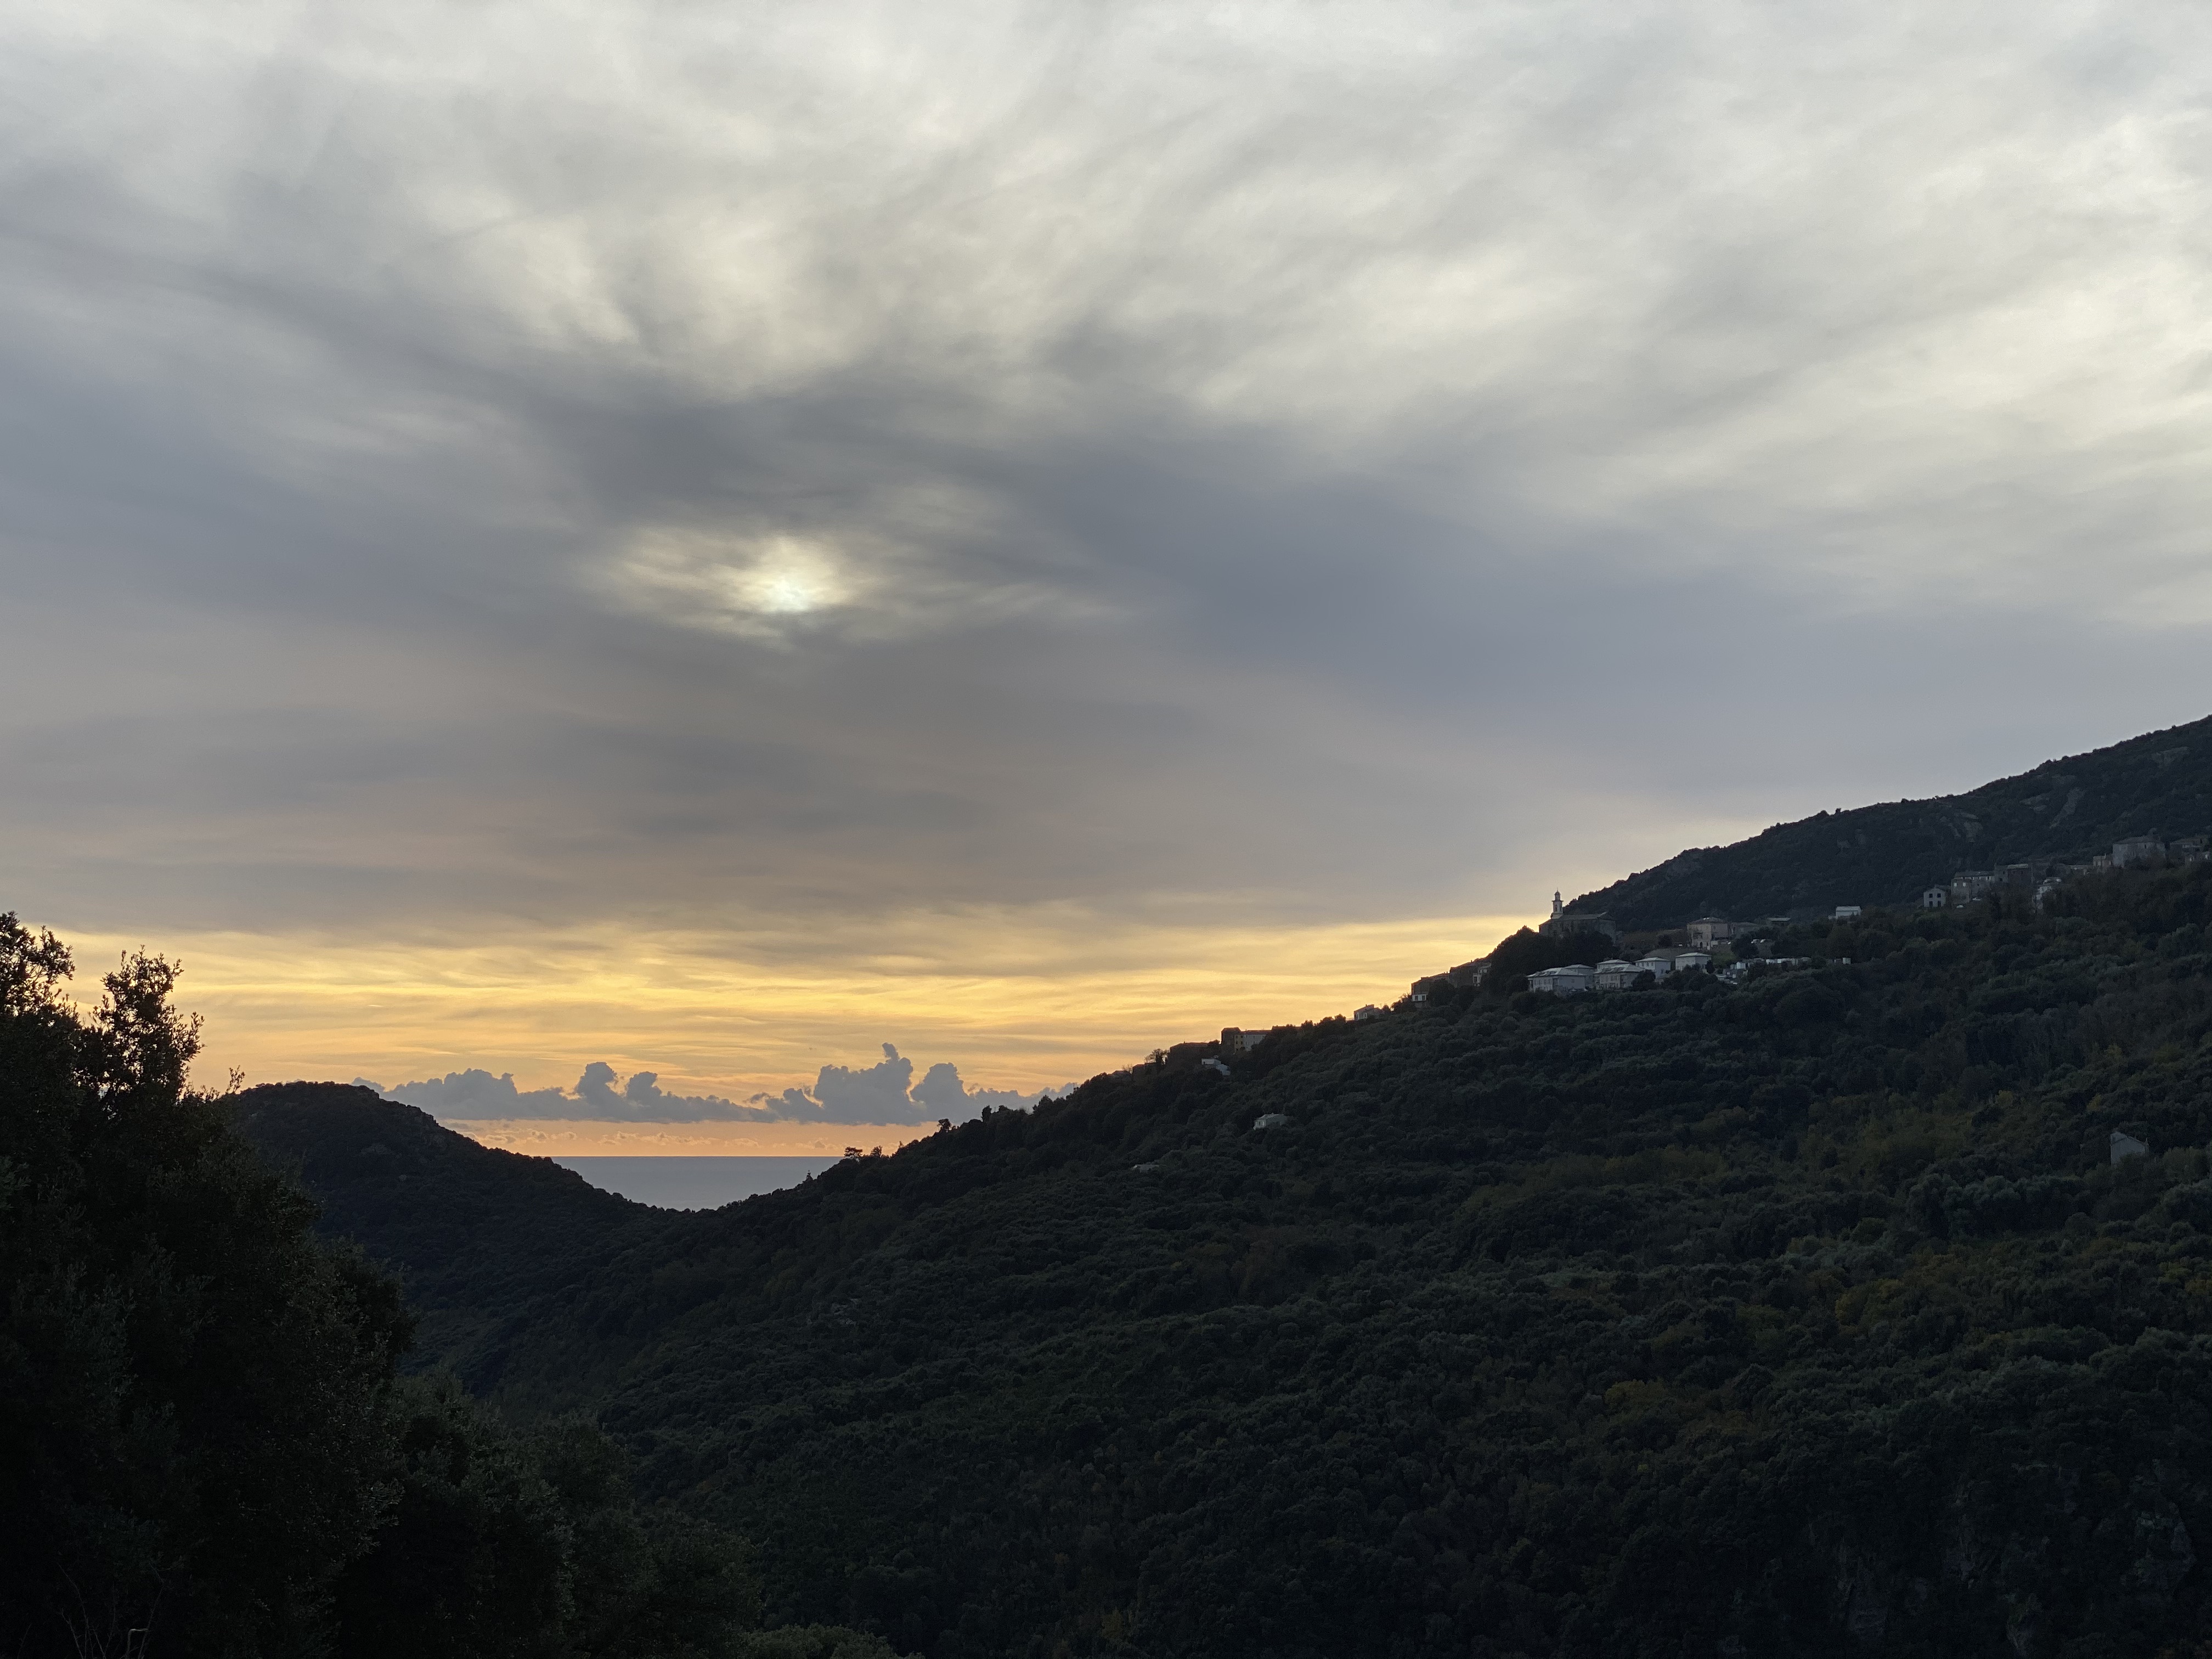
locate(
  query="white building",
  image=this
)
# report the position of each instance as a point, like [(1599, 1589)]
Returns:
[(2127, 1146), (1934, 898), (1848, 912), (1564, 981), (1614, 975), (1371, 1011)]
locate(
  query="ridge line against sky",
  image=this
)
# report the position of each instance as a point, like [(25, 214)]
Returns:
[(708, 540)]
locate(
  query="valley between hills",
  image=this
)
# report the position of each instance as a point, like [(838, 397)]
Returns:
[(1809, 1314)]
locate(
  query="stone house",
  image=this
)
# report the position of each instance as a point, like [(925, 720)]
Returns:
[(1967, 885), (1706, 932)]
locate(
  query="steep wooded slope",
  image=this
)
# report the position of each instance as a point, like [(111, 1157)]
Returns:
[(1804, 1317), (487, 1243), (204, 1449), (2160, 783)]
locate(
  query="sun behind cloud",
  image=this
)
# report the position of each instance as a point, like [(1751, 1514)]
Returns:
[(757, 587)]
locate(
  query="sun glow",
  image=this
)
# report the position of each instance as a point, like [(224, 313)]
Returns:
[(734, 583)]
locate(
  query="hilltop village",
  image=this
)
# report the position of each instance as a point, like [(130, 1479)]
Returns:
[(1732, 948)]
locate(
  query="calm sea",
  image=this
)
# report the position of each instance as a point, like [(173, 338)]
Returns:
[(694, 1183)]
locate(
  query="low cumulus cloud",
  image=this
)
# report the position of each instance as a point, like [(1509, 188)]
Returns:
[(885, 1092)]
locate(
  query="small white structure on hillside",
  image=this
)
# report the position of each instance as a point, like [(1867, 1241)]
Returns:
[(1934, 898), (2127, 1146), (1235, 1041), (1671, 960), (1371, 1011), (1269, 1120), (1848, 912), (1614, 975)]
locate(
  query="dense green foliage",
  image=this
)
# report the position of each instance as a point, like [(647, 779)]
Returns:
[(191, 1385), (500, 1543), (2067, 809), (1804, 1317), (205, 1450), (487, 1240)]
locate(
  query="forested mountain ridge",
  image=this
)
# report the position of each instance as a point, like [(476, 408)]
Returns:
[(2159, 783), (204, 1445), (1803, 1316), (485, 1240)]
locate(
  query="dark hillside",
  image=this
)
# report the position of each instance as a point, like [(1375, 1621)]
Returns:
[(2160, 783), (487, 1243), (1808, 1316), (204, 1445)]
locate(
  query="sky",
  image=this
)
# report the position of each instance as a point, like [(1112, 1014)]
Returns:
[(749, 543)]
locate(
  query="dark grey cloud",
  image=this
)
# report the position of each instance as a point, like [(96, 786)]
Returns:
[(1173, 466), (884, 1093)]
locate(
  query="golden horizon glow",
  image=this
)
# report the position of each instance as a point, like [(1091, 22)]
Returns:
[(1018, 1000), (594, 1138)]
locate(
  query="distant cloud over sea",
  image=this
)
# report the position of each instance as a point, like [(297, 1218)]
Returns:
[(885, 1092)]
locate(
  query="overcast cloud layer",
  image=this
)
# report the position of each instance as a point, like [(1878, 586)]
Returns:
[(771, 469)]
